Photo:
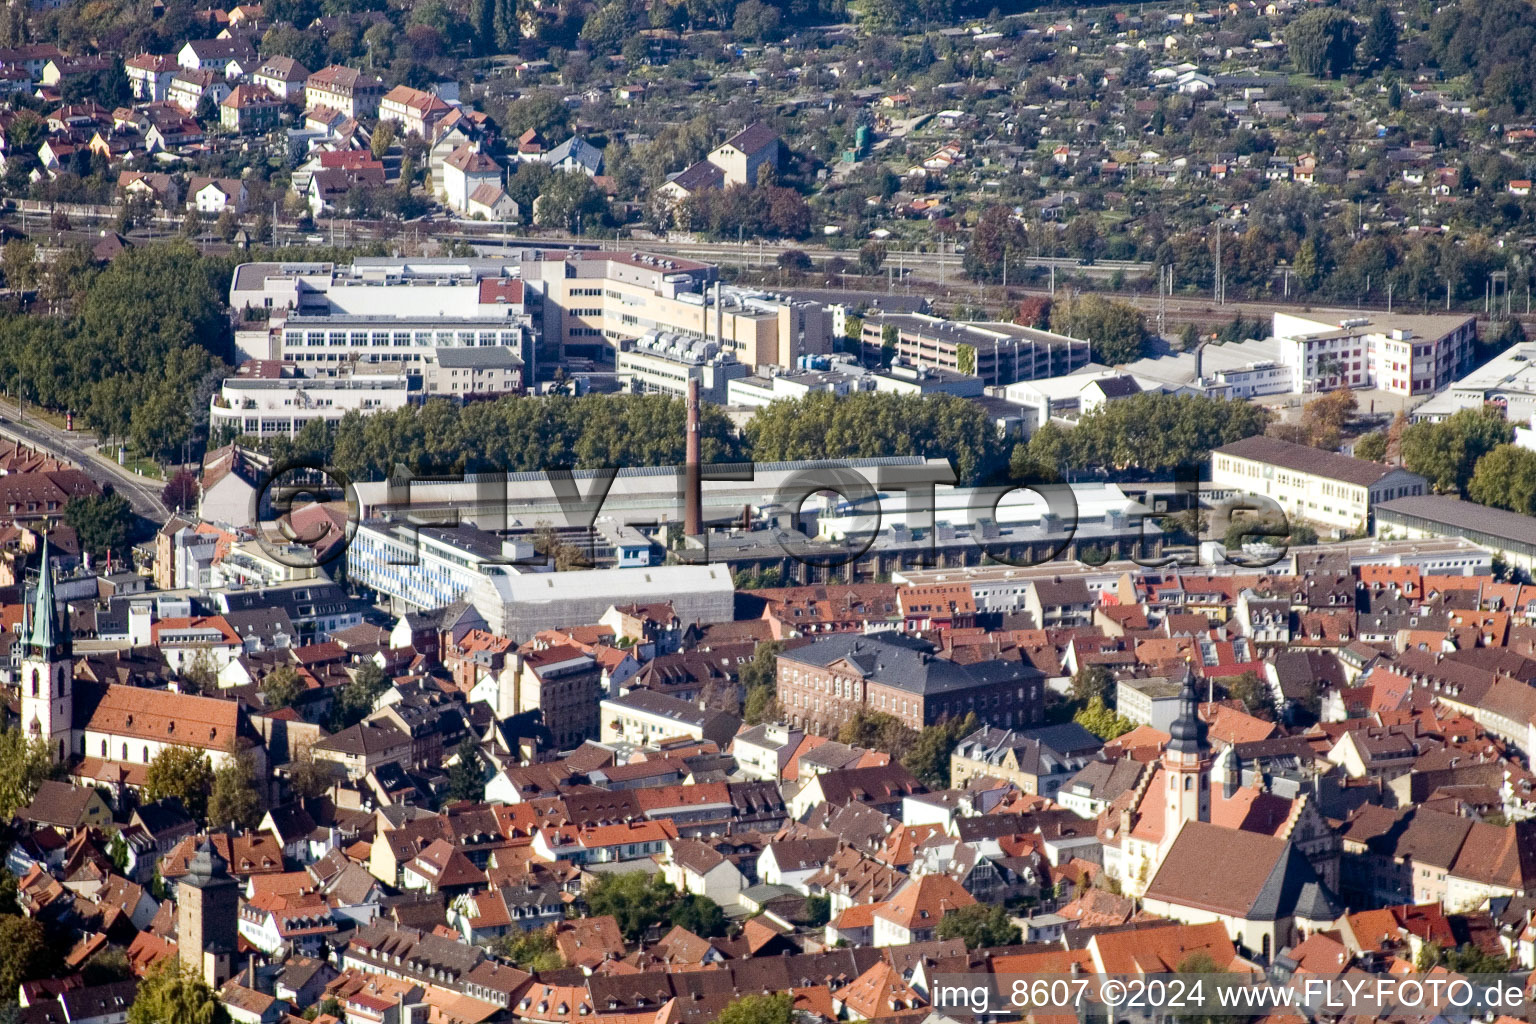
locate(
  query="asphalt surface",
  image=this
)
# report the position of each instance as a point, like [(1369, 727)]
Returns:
[(80, 448)]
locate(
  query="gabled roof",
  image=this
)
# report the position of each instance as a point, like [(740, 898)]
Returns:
[(923, 902), (753, 138), (338, 76), (1264, 877), (283, 69), (1306, 459), (702, 176), (471, 161)]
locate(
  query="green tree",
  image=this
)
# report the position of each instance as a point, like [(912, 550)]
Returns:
[(871, 257), (699, 914), (778, 1008), (281, 687), (965, 358), (1098, 719), (307, 777), (173, 992), (466, 779), (1322, 42), (608, 26), (25, 952), (1372, 446), (1082, 238), (1505, 478), (1249, 528), (637, 901), (532, 951), (1446, 453), (1150, 432), (233, 798), (1116, 331), (1253, 691), (183, 773), (877, 730), (980, 926), (25, 764), (998, 240), (1430, 954), (1091, 681), (18, 264), (1308, 264), (760, 682), (107, 966), (928, 759), (101, 521), (871, 424), (383, 139), (571, 201), (200, 673), (755, 21), (1378, 43), (1471, 959), (818, 910), (358, 696)]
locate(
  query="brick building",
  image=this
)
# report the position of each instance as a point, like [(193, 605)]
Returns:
[(823, 684)]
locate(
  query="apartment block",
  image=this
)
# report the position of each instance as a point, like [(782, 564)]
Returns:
[(1402, 353), (998, 353)]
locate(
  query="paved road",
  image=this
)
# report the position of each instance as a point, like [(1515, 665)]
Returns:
[(80, 448)]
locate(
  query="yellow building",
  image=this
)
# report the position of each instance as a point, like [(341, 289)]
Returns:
[(594, 299)]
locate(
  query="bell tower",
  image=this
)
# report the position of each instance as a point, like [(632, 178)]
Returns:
[(1186, 766), (47, 670)]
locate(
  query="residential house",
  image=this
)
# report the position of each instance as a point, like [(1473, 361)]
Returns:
[(283, 77), (249, 108), (466, 170), (189, 89), (491, 202), (914, 912), (344, 89), (215, 195), (149, 76), (575, 154), (415, 110), (215, 54)]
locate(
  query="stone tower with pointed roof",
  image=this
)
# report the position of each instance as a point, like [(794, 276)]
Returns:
[(1186, 766), (207, 916), (47, 670)]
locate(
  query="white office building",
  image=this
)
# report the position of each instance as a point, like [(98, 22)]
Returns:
[(272, 406), (1405, 354)]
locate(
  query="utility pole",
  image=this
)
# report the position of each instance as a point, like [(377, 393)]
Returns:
[(1389, 298), (1217, 289), (1162, 300)]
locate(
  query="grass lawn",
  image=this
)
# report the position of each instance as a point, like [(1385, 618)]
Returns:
[(135, 463)]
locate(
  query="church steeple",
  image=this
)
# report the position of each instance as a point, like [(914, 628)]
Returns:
[(47, 703), (47, 639), (1186, 765), (1188, 734)]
